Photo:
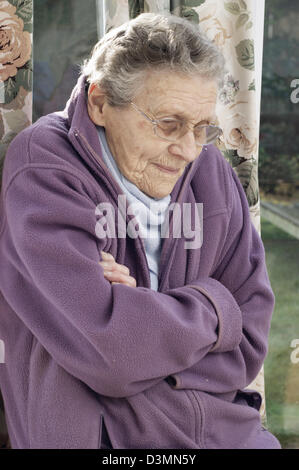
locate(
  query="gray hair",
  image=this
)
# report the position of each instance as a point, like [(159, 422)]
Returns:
[(118, 62)]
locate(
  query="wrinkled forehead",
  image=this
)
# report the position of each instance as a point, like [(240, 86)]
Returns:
[(185, 96)]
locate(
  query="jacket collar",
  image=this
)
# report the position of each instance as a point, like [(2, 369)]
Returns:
[(84, 136)]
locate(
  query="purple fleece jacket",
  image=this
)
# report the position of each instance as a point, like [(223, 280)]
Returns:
[(155, 369)]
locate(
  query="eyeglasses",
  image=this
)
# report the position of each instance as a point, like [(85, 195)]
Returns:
[(172, 129)]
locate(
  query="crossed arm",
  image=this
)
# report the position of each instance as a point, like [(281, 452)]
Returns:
[(226, 371)]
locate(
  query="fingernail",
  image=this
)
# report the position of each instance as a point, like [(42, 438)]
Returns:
[(107, 255), (104, 264)]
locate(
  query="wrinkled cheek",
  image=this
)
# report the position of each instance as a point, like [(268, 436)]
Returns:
[(141, 125)]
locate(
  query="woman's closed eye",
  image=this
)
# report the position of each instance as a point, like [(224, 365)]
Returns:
[(170, 126)]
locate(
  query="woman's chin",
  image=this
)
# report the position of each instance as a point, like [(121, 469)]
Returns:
[(160, 192)]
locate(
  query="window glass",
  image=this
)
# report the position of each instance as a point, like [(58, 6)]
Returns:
[(64, 34), (279, 189)]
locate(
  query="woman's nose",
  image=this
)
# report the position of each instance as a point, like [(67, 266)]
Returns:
[(186, 147)]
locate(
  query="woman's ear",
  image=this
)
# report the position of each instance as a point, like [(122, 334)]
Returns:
[(95, 104)]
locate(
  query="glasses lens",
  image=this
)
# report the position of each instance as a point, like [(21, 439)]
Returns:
[(173, 130), (205, 135), (200, 134), (169, 129)]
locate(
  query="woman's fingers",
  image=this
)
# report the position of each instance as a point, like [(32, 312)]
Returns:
[(117, 276), (108, 260), (113, 266), (116, 273), (107, 256)]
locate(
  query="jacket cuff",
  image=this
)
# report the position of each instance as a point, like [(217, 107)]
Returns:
[(227, 310)]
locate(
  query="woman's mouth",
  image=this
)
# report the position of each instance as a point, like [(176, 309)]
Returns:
[(166, 169)]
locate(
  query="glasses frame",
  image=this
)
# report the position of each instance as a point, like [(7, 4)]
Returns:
[(155, 123)]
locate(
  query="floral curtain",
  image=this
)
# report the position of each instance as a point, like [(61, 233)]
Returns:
[(15, 92), (231, 25), (15, 70)]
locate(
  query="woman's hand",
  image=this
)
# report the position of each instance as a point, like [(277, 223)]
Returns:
[(116, 273)]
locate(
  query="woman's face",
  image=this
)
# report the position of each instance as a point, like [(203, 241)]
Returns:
[(130, 136)]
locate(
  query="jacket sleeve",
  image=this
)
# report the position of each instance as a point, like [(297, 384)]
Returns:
[(116, 339), (242, 271)]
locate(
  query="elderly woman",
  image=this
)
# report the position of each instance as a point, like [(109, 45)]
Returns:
[(117, 339)]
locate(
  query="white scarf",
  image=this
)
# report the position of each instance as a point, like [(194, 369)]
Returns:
[(149, 212)]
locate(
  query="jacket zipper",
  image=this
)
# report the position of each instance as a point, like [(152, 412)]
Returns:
[(117, 189), (165, 249)]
